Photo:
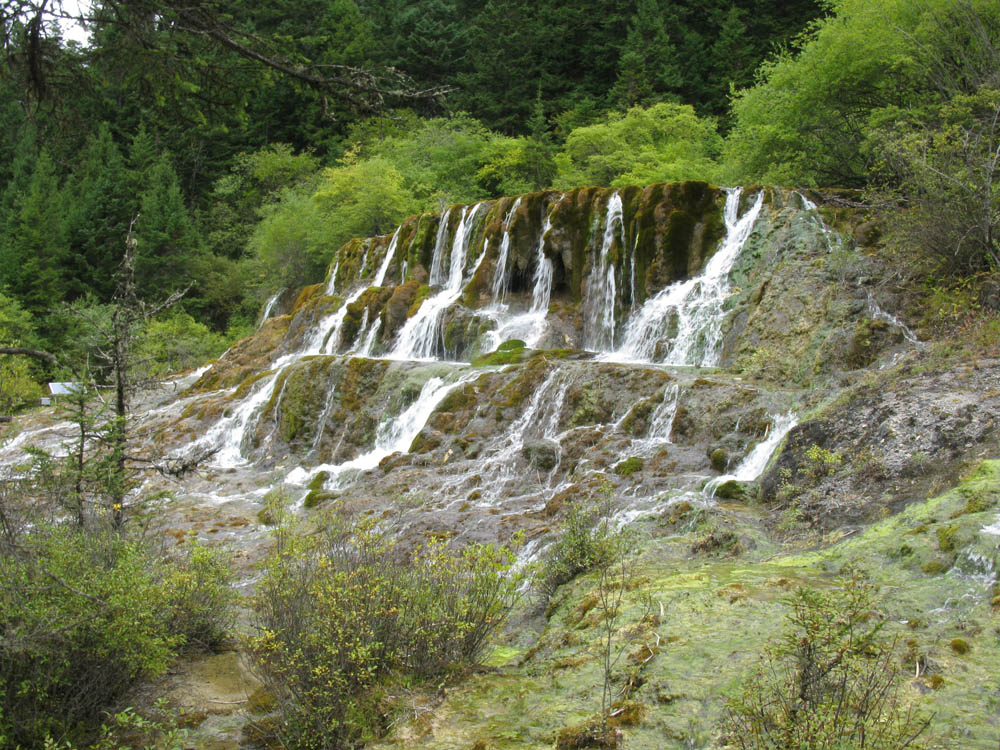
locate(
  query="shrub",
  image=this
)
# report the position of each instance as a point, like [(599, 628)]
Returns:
[(831, 681), (85, 611), (80, 622), (198, 596), (585, 543), (342, 613)]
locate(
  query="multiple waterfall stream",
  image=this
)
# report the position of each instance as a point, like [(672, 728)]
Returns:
[(680, 325)]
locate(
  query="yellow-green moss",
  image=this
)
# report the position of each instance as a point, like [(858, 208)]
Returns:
[(629, 466)]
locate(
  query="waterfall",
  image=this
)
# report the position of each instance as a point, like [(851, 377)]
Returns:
[(831, 238), (331, 287), (754, 463), (393, 435), (390, 253), (364, 341), (601, 293), (540, 419), (501, 278), (269, 306), (662, 420), (229, 432), (421, 336), (542, 290), (529, 326), (879, 314), (693, 306), (437, 259)]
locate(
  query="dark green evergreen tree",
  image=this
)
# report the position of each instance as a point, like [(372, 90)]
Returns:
[(539, 149), (99, 208), (733, 57), (648, 71), (34, 250), (165, 237)]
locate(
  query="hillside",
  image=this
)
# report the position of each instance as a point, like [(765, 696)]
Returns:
[(714, 370)]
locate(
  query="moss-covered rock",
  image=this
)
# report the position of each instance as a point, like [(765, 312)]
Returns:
[(629, 466)]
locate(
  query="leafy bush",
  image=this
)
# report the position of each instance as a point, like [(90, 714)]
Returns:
[(585, 543), (342, 613), (832, 681), (198, 598), (80, 623), (82, 613), (664, 143), (176, 342)]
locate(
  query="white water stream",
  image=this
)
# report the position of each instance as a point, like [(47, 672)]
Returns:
[(421, 337), (529, 326), (754, 463), (692, 307), (600, 295), (393, 435)]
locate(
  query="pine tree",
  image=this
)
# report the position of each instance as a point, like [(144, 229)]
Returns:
[(99, 208), (164, 233), (539, 149), (647, 68), (34, 249), (733, 57)]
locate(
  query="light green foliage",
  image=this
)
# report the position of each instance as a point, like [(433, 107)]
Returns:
[(362, 198), (821, 462), (289, 242), (343, 613), (803, 121), (19, 378), (82, 621), (943, 164), (176, 342), (585, 543), (831, 681), (456, 159), (438, 159), (814, 116), (298, 235), (664, 143), (255, 179), (197, 596)]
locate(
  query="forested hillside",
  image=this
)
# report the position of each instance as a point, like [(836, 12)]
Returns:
[(529, 374), (252, 139)]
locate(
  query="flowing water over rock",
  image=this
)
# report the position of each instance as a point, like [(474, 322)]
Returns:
[(682, 324), (640, 276), (668, 349)]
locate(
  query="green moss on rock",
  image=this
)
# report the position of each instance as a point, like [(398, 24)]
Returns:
[(629, 466)]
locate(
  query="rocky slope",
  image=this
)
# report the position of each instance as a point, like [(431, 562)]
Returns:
[(475, 372)]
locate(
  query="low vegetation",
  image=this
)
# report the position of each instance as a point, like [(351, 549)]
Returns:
[(344, 615)]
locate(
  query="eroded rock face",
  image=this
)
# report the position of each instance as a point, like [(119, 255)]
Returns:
[(883, 445), (539, 416)]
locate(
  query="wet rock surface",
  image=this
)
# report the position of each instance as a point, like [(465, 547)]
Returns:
[(476, 453)]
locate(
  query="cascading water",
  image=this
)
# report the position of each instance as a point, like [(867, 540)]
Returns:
[(364, 342), (501, 275), (529, 327), (693, 307), (269, 307), (421, 337), (754, 463), (437, 259), (228, 433), (331, 287), (879, 314), (601, 293), (661, 423), (393, 435), (538, 420)]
